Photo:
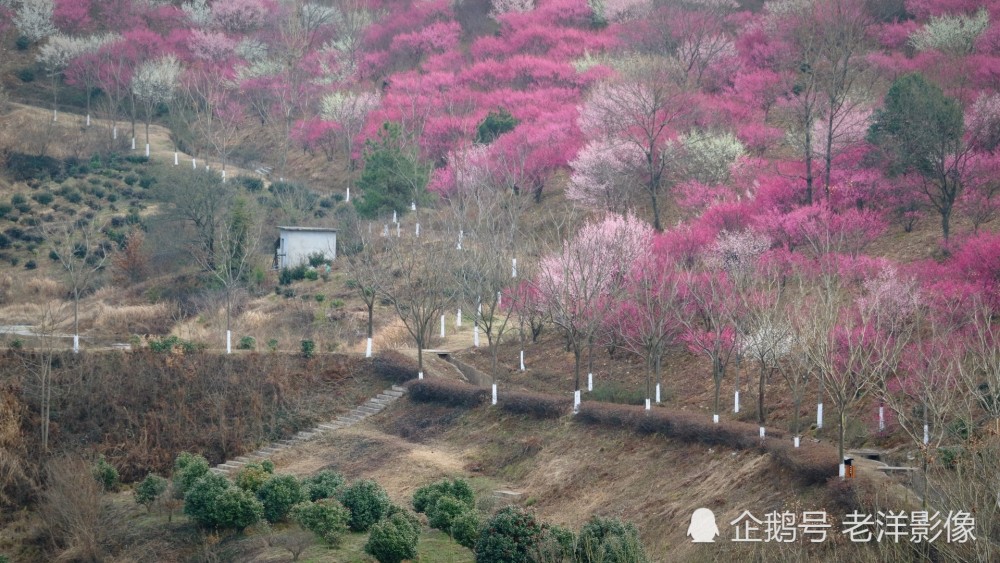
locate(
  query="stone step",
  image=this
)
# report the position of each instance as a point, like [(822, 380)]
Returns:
[(245, 458), (218, 471), (330, 426), (370, 410), (398, 388), (269, 450), (393, 393), (285, 442), (236, 463), (227, 467), (385, 399)]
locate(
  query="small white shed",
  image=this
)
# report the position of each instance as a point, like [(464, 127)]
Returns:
[(295, 244)]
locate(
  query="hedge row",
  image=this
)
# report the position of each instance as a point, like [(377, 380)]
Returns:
[(535, 404), (813, 464), (448, 392)]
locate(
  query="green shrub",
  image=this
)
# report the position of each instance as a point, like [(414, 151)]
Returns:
[(308, 348), (251, 477), (201, 498), (188, 468), (150, 489), (465, 529), (5, 209), (131, 179), (5, 241), (43, 198), (408, 514), (326, 518), (426, 497), (392, 540), (106, 475), (495, 123), (368, 503), (312, 275), (26, 74), (250, 183), (22, 43), (268, 466), (512, 534), (609, 540), (272, 344), (247, 343), (445, 510), (324, 484), (279, 494), (289, 275), (317, 259), (236, 509)]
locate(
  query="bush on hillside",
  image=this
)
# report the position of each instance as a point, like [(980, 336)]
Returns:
[(188, 468), (149, 490), (324, 484), (279, 494), (449, 392), (200, 498), (465, 529), (444, 512), (368, 503), (427, 496), (326, 518), (106, 475), (236, 509), (512, 534), (538, 405), (251, 477), (609, 540), (392, 540)]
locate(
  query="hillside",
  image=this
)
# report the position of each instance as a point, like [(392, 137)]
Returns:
[(751, 224)]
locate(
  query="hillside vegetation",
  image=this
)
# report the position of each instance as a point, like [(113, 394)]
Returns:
[(769, 227)]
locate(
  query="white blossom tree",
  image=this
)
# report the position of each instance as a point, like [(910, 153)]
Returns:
[(154, 83), (33, 19)]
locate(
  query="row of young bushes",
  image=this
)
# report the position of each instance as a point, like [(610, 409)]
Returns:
[(811, 463), (322, 504), (514, 534)]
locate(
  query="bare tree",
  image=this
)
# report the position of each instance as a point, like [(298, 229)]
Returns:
[(364, 265), (420, 285), (491, 222), (235, 253), (82, 252), (51, 316)]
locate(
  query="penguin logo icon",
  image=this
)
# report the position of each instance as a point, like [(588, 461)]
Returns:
[(703, 528)]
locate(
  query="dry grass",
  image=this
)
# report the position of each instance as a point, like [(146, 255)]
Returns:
[(133, 319), (393, 337)]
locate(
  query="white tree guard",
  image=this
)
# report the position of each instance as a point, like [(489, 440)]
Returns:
[(368, 348)]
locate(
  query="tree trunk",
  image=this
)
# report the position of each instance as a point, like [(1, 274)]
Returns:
[(577, 352), (717, 380), (371, 318), (761, 415), (841, 432)]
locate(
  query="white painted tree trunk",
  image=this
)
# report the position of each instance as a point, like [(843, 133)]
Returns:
[(522, 360), (576, 401), (736, 402), (133, 143), (76, 343), (55, 117), (368, 348), (413, 206), (394, 217), (494, 393), (114, 133), (795, 440), (194, 163), (843, 471), (420, 375), (147, 150), (458, 319), (418, 230), (657, 393), (475, 336), (927, 434), (590, 382), (513, 267), (460, 234), (499, 300), (881, 418), (763, 431), (177, 160), (223, 175), (385, 231), (819, 415), (715, 419), (347, 199), (88, 120), (442, 326), (229, 342), (648, 406)]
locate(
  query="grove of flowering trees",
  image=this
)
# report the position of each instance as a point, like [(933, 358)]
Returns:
[(755, 179)]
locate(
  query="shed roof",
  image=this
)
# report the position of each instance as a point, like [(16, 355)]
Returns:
[(308, 229)]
